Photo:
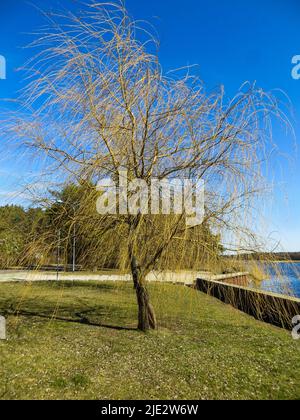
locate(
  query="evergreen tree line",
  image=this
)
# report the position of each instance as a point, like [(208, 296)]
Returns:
[(69, 224)]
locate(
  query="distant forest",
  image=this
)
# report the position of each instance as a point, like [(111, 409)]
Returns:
[(45, 237), (275, 256)]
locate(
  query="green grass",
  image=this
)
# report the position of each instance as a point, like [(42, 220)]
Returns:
[(79, 342)]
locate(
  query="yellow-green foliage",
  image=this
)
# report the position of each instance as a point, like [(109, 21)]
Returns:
[(257, 272)]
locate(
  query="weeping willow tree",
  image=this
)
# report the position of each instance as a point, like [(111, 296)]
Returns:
[(97, 100)]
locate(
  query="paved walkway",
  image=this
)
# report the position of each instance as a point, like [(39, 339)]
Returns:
[(181, 277), (31, 276)]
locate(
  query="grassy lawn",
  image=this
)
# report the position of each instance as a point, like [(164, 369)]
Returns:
[(75, 341)]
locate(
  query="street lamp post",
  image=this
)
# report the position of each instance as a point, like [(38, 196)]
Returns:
[(74, 249), (58, 256)]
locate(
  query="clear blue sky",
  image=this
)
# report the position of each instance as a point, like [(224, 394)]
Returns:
[(231, 40)]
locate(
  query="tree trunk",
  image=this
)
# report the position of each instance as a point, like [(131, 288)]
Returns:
[(146, 316)]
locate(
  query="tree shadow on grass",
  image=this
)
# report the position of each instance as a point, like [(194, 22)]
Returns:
[(76, 315), (90, 285), (80, 320)]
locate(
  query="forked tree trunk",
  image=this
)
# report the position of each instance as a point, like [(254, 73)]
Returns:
[(146, 315)]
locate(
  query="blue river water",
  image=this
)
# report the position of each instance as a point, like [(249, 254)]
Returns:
[(283, 278)]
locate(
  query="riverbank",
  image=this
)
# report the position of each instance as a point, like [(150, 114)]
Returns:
[(79, 341)]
